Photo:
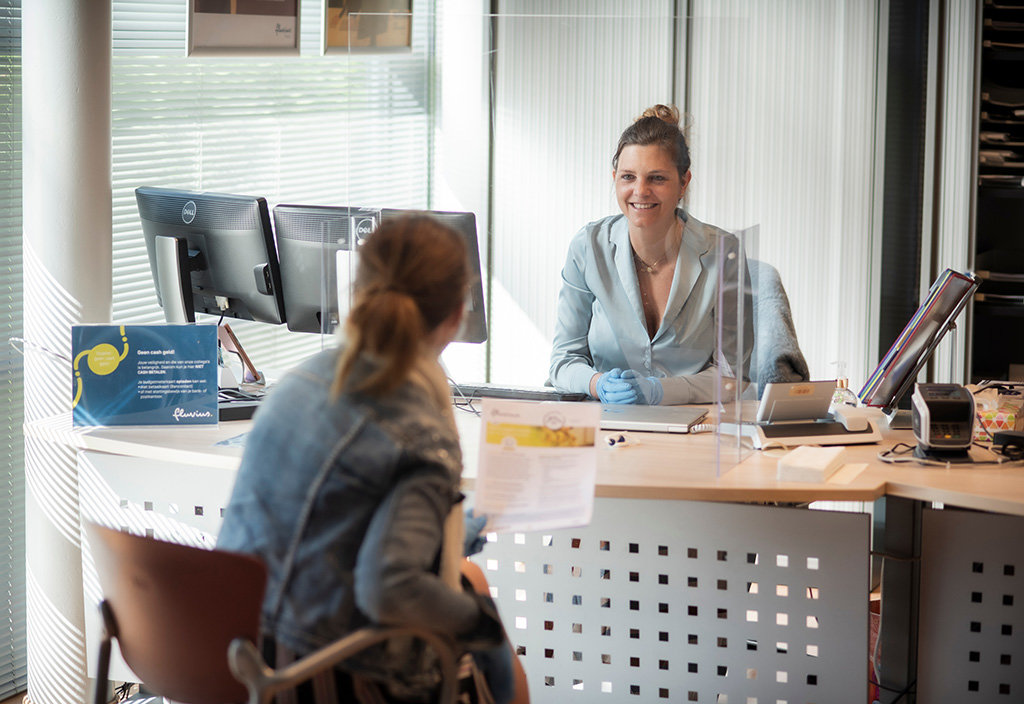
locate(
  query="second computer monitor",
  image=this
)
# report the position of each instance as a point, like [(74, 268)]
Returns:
[(317, 247)]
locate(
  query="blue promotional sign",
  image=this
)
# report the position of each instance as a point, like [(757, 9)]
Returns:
[(144, 374)]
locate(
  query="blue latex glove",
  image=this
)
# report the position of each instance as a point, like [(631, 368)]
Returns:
[(612, 388), (474, 540), (648, 388)]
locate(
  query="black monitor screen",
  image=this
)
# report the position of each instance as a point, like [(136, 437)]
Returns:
[(897, 371), (211, 253), (316, 246), (474, 322), (318, 264)]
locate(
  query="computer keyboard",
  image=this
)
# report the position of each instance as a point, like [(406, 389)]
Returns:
[(470, 391)]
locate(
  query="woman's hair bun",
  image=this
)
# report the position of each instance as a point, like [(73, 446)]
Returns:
[(666, 113)]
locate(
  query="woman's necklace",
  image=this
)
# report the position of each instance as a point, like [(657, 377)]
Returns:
[(650, 268)]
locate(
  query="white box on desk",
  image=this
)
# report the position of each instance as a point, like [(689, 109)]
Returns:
[(809, 463)]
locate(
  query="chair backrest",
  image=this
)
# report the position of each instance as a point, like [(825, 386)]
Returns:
[(777, 355), (176, 609)]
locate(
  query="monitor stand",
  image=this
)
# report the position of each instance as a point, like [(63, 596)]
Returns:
[(900, 419)]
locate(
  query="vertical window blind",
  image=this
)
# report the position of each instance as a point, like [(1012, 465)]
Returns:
[(13, 651), (337, 129)]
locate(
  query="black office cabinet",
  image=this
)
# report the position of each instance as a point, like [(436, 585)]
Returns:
[(997, 339)]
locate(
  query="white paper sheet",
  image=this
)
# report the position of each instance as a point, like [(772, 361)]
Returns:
[(537, 464)]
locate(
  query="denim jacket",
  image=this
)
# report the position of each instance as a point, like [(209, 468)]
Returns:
[(345, 502)]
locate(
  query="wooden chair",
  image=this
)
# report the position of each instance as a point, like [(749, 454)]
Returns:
[(187, 623)]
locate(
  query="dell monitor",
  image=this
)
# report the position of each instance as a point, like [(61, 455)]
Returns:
[(315, 246), (898, 370), (211, 253)]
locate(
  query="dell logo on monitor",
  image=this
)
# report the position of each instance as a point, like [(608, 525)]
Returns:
[(363, 227), (188, 213)]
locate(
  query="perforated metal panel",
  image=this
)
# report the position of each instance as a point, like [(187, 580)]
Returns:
[(971, 630), (689, 602)]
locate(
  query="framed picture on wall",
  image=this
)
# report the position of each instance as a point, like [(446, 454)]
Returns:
[(367, 26), (241, 27)]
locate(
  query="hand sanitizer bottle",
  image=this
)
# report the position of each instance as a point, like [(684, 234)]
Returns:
[(843, 396)]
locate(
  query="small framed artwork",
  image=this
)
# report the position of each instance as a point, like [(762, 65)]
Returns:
[(367, 26), (242, 27)]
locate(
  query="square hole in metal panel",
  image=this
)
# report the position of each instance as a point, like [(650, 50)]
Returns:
[(575, 571), (520, 650), (976, 597), (975, 627), (549, 597), (605, 630), (577, 685), (752, 558), (575, 543), (781, 647), (722, 585), (692, 610), (1006, 629), (520, 595), (577, 656), (549, 681), (1008, 570), (634, 689), (634, 662), (577, 599), (606, 659), (492, 565), (721, 670), (634, 576), (663, 636), (722, 613), (691, 582), (812, 651), (634, 633), (782, 560), (663, 664), (974, 656), (812, 563), (547, 541), (978, 567), (147, 505), (606, 603), (782, 590), (521, 623), (1004, 659), (606, 687), (578, 628), (692, 639), (634, 605), (197, 510), (605, 574), (662, 693), (549, 625), (663, 550), (547, 569), (549, 653), (722, 642), (722, 555), (1007, 599), (662, 608), (604, 545), (691, 553), (662, 579)]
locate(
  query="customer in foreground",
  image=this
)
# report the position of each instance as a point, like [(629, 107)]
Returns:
[(349, 485)]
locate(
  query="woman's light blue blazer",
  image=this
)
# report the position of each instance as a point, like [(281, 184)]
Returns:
[(600, 321)]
